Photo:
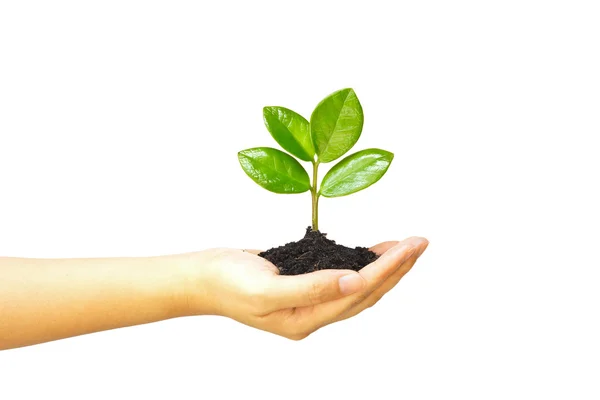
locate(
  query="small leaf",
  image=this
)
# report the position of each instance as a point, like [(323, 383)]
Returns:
[(356, 172), (336, 124), (290, 130), (274, 170)]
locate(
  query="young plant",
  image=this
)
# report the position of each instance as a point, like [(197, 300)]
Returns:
[(335, 126)]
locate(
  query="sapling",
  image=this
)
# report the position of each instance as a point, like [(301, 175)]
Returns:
[(334, 127)]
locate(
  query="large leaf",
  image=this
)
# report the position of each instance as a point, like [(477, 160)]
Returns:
[(356, 172), (274, 170), (290, 130), (336, 124)]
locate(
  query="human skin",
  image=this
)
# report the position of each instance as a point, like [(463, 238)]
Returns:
[(43, 300)]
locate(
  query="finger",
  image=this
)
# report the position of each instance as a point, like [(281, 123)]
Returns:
[(252, 251), (381, 248), (289, 291), (386, 286), (391, 260), (393, 280), (259, 263), (374, 275)]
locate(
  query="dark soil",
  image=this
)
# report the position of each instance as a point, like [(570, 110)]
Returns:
[(315, 252)]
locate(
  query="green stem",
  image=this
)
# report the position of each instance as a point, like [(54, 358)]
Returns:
[(315, 198)]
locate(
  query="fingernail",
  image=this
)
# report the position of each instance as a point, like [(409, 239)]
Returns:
[(351, 283)]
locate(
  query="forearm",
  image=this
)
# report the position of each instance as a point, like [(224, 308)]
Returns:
[(45, 299)]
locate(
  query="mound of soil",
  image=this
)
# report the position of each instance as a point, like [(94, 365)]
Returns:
[(315, 252)]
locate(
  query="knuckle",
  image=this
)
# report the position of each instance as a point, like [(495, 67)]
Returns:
[(317, 292), (298, 337), (374, 300), (360, 300), (295, 332), (257, 299), (258, 306)]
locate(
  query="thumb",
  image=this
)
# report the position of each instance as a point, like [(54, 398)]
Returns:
[(313, 288)]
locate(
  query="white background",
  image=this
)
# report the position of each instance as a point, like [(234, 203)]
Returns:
[(119, 127)]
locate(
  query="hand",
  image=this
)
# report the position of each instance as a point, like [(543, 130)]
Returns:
[(240, 285)]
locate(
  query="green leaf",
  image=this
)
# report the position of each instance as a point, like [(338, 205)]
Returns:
[(290, 130), (356, 172), (336, 124), (274, 170)]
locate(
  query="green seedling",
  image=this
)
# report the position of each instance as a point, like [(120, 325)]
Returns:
[(335, 126)]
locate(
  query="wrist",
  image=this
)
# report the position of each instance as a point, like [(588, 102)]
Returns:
[(190, 292), (161, 284)]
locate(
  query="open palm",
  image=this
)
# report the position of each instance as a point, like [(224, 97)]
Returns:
[(247, 288)]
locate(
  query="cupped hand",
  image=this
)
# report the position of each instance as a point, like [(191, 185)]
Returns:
[(247, 288)]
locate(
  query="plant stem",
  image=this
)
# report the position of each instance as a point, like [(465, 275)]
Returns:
[(315, 198)]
